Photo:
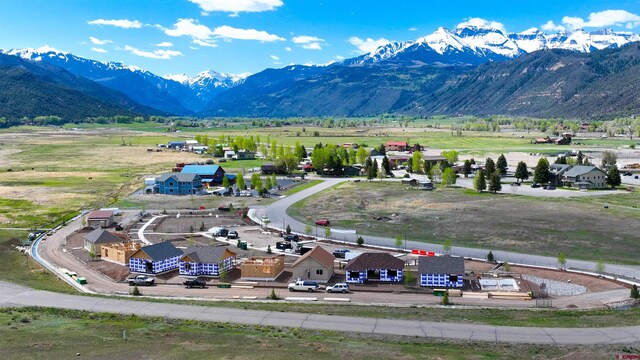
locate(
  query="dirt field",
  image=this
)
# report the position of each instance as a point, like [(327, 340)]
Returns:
[(520, 224)]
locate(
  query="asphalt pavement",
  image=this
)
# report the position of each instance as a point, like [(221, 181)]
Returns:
[(12, 295)]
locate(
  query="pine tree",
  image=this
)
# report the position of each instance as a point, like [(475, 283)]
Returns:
[(541, 174), (386, 166), (490, 257), (427, 167), (494, 182), (502, 165), (521, 171), (489, 168), (466, 168), (479, 181), (635, 294), (613, 177)]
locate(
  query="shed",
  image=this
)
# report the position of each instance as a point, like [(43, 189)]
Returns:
[(206, 261), (316, 264), (262, 268), (155, 259), (119, 253), (441, 271), (374, 266), (101, 218), (94, 240), (271, 168)]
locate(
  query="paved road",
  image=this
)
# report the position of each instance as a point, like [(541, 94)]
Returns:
[(13, 295), (277, 213)]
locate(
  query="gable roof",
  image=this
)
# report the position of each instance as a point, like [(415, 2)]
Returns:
[(181, 177), (206, 254), (101, 236), (397, 143), (320, 255), (441, 265), (558, 167), (100, 214), (373, 260), (200, 169), (581, 170), (160, 251)]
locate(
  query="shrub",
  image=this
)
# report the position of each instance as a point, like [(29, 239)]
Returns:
[(136, 291), (269, 250), (635, 294), (360, 241), (273, 295), (490, 257), (445, 299)]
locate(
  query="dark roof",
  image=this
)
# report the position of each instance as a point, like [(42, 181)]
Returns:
[(367, 261), (101, 236), (581, 170), (319, 254), (100, 214), (182, 177), (441, 265), (206, 254), (161, 251)]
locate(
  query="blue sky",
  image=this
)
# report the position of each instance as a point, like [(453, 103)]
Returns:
[(235, 36)]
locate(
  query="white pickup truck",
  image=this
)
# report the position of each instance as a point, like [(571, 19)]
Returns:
[(304, 286), (141, 280)]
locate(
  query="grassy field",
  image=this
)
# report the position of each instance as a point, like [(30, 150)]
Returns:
[(21, 269), (581, 228), (301, 187), (55, 334)]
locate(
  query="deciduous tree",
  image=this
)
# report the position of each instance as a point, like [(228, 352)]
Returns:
[(448, 177), (613, 176), (541, 174)]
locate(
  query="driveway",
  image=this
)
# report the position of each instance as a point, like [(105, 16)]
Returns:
[(13, 295)]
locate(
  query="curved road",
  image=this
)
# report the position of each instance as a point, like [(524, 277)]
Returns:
[(277, 213), (13, 295)]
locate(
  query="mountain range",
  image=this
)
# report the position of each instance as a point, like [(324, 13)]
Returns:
[(461, 71)]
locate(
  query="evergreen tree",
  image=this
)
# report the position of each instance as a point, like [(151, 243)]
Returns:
[(502, 165), (381, 150), (466, 168), (374, 169), (386, 167), (580, 157), (635, 294), (489, 168), (288, 229), (613, 177), (367, 168), (479, 181), (561, 160), (490, 257), (494, 182), (427, 167), (541, 174), (521, 171)]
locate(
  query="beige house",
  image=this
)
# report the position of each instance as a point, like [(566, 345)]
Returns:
[(119, 252), (262, 268), (585, 177), (96, 239), (316, 264)]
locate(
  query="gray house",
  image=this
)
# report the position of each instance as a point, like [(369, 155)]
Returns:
[(585, 177), (557, 171), (316, 264), (374, 267), (441, 271)]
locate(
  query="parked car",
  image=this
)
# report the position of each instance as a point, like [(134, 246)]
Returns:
[(628, 173), (196, 283), (515, 184), (224, 208), (550, 187), (232, 235), (323, 222), (283, 245), (339, 287), (141, 280), (305, 285), (535, 185), (222, 232), (341, 253), (292, 237)]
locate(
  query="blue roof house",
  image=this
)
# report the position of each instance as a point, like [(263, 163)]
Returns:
[(178, 184), (208, 173)]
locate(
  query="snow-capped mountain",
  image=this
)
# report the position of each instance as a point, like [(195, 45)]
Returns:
[(208, 83), (472, 45)]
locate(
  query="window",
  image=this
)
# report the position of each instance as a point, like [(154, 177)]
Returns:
[(318, 271), (453, 278), (187, 266), (354, 274), (392, 273)]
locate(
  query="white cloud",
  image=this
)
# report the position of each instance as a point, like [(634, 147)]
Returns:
[(309, 42), (287, 49), (164, 44), (621, 18), (228, 32), (275, 58), (479, 22), (368, 45), (98, 50), (238, 6), (551, 26), (97, 41), (158, 54), (413, 29), (204, 36), (340, 57), (122, 23)]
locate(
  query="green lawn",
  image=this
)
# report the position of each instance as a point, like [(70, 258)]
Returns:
[(29, 333), (303, 186)]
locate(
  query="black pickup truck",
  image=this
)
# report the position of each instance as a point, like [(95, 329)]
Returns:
[(196, 283)]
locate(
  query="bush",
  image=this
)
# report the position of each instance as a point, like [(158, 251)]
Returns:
[(136, 291), (269, 250), (273, 295), (635, 294), (445, 299), (360, 241), (490, 257)]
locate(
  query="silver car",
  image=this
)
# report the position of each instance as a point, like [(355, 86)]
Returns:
[(339, 287)]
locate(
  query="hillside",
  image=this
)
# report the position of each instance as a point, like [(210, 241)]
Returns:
[(32, 89)]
